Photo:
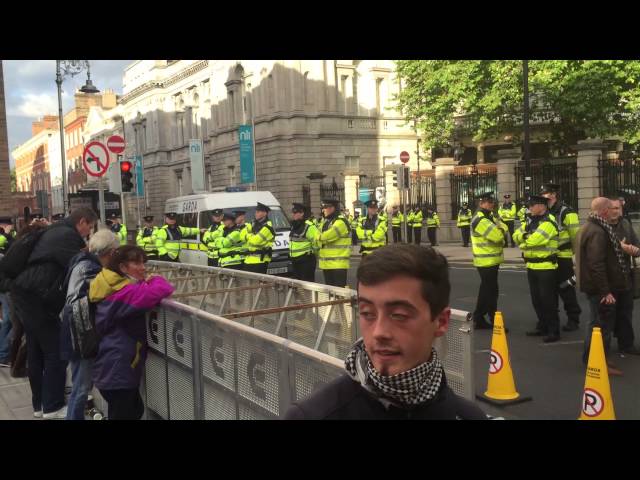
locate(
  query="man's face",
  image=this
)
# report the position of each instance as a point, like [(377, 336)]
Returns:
[(615, 210), (372, 211), (553, 198), (85, 228), (217, 218), (396, 324), (170, 221), (487, 204), (239, 219), (260, 214), (328, 210), (298, 215), (228, 222)]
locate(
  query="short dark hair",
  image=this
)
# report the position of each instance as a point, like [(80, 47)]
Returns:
[(422, 263), (124, 254), (83, 212)]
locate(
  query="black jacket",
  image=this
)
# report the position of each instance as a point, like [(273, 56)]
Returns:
[(345, 399), (49, 260)]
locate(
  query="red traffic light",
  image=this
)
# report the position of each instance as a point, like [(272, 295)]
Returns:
[(125, 166)]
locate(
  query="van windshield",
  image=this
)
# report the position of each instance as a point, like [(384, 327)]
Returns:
[(276, 215)]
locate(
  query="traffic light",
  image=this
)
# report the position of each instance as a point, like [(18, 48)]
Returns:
[(406, 177), (126, 176), (395, 178)]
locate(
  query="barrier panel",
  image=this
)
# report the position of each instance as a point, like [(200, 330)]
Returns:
[(241, 345)]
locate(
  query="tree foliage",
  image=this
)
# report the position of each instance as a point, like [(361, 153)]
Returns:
[(578, 98)]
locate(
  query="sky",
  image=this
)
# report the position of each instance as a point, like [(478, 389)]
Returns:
[(30, 91)]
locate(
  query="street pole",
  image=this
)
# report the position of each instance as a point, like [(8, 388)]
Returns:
[(253, 138), (527, 152), (61, 123), (404, 203), (101, 201)]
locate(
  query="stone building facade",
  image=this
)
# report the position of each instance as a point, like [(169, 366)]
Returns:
[(5, 174), (329, 117)]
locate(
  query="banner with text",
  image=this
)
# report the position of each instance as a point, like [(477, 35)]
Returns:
[(247, 173), (197, 165)]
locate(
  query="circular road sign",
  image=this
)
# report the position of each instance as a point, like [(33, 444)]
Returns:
[(404, 157), (116, 144), (95, 159)]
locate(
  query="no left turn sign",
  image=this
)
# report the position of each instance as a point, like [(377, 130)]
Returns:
[(95, 159)]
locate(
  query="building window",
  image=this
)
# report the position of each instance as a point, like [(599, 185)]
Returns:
[(146, 194), (209, 180), (352, 163), (179, 183), (378, 96), (343, 90), (232, 174)]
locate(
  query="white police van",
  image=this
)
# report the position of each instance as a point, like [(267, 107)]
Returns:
[(195, 211)]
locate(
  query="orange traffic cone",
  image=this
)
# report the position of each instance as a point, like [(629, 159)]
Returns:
[(597, 403), (501, 388)]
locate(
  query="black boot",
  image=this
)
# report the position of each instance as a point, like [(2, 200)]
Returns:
[(570, 326)]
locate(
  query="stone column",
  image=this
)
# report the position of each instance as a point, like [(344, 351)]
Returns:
[(350, 191), (589, 152), (448, 230), (507, 160), (315, 179)]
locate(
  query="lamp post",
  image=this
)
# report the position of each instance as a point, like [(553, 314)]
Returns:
[(525, 124), (63, 69)]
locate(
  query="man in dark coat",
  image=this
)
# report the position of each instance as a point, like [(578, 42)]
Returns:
[(38, 299), (394, 372)]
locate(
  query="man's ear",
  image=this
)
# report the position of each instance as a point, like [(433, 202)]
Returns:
[(442, 321)]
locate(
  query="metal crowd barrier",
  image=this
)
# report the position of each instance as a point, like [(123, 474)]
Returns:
[(241, 345)]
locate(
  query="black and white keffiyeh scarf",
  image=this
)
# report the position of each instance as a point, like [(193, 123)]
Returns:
[(613, 239), (408, 389)]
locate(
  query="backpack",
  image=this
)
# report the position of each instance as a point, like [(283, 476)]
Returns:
[(17, 257)]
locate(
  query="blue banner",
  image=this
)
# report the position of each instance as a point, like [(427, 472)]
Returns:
[(366, 194), (247, 173), (139, 177)]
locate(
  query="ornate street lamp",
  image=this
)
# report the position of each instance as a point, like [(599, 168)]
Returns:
[(71, 68)]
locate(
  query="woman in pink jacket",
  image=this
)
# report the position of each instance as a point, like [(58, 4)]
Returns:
[(125, 295)]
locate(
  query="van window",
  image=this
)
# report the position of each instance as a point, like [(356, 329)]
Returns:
[(276, 215), (188, 219)]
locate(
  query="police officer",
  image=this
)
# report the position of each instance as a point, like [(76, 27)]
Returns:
[(410, 215), (464, 222), (354, 222), (416, 225), (146, 238), (433, 223), (334, 243), (522, 214), (382, 215), (119, 229), (373, 229), (211, 234), (538, 240), (168, 238), (229, 245), (243, 228), (507, 213), (568, 225), (488, 237), (259, 241), (397, 218), (301, 238), (5, 234)]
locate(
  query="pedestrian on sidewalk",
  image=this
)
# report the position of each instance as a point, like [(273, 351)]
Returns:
[(396, 224), (82, 269), (602, 274), (624, 302), (488, 238), (433, 223), (538, 240), (507, 213), (38, 296), (416, 224), (124, 295), (394, 372)]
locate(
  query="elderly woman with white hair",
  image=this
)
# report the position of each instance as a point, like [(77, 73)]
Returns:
[(78, 341)]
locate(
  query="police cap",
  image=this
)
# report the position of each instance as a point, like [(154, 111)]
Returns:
[(228, 216), (298, 207), (371, 204), (216, 212), (171, 215), (35, 216), (57, 216), (550, 188), (261, 207), (6, 220), (537, 200), (486, 196), (330, 202), (238, 213), (507, 196), (148, 218)]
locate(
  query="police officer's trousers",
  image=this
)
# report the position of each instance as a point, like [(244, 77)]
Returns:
[(335, 277), (510, 226), (409, 230), (568, 294), (543, 286), (432, 234), (417, 234), (487, 302), (256, 267), (304, 268), (466, 235), (167, 258), (397, 234), (212, 262)]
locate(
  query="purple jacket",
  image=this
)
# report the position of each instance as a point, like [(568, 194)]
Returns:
[(120, 322)]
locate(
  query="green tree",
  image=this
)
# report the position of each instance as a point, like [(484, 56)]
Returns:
[(579, 98)]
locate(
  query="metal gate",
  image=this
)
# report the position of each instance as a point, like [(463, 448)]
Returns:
[(561, 170), (422, 192), (332, 190), (467, 186), (621, 177)]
